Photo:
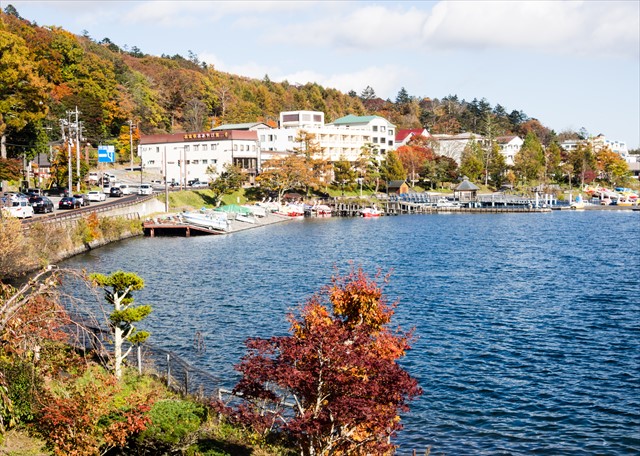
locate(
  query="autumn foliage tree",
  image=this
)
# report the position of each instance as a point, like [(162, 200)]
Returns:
[(338, 369)]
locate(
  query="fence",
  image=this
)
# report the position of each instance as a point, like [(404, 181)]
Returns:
[(85, 333)]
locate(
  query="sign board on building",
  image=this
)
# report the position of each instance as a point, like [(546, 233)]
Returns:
[(106, 154)]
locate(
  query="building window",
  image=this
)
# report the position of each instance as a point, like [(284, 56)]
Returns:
[(262, 138), (390, 143), (374, 128), (383, 128), (290, 118), (205, 161), (151, 162), (186, 148), (196, 162), (235, 147), (214, 161), (196, 147), (214, 147), (390, 132), (158, 149), (290, 138), (375, 140), (317, 118), (204, 147)]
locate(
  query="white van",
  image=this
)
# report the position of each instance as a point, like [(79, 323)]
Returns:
[(145, 189), (128, 189), (20, 208)]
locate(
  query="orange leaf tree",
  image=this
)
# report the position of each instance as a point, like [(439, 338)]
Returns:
[(333, 385)]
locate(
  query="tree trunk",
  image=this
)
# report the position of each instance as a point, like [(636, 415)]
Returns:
[(3, 154)]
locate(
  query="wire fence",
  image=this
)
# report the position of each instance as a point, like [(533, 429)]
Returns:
[(86, 333)]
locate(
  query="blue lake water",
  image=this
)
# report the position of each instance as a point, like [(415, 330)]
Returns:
[(528, 325)]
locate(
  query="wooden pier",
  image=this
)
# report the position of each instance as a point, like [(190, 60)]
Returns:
[(153, 228), (402, 208)]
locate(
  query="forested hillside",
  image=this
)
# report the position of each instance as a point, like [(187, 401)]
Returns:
[(47, 71)]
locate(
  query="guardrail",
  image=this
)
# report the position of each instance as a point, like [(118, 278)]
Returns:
[(75, 214)]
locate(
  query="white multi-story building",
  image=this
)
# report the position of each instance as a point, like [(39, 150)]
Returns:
[(509, 147), (344, 138), (182, 157)]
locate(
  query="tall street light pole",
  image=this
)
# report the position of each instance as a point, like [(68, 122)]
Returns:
[(77, 125), (130, 122)]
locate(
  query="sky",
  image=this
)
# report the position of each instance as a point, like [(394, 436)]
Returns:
[(569, 64)]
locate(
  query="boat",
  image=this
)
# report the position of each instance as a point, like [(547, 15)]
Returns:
[(293, 211), (369, 212), (247, 218), (321, 210), (258, 211), (578, 203), (445, 202), (215, 221)]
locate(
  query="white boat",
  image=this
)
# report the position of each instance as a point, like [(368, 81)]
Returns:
[(246, 218), (444, 202), (321, 210), (258, 211), (211, 220), (578, 203), (370, 212), (293, 211)]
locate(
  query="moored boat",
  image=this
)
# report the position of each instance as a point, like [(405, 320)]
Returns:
[(321, 210), (369, 212), (216, 221), (294, 211)]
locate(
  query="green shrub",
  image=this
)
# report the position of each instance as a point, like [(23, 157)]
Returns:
[(172, 422), (23, 385)]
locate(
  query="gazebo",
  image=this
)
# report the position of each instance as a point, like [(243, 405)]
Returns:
[(466, 191)]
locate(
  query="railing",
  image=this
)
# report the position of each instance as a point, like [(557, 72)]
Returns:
[(86, 333)]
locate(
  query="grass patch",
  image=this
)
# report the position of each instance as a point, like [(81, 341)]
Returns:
[(195, 199)]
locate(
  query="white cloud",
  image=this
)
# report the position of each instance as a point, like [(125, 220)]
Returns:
[(564, 28), (189, 13), (385, 80), (365, 28), (248, 69)]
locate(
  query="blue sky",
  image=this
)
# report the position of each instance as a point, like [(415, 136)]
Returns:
[(569, 64)]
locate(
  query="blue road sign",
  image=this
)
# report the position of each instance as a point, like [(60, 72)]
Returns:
[(106, 154)]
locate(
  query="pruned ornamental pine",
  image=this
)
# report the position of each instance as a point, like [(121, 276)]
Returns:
[(118, 293), (334, 385)]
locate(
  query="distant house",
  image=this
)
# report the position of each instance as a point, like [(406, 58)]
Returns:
[(404, 136), (40, 168), (398, 187), (509, 147), (452, 146), (466, 191)]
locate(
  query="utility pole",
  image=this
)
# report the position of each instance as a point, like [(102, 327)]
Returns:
[(68, 122), (130, 122), (77, 125)]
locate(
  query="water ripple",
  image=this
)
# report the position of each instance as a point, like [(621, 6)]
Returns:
[(528, 325)]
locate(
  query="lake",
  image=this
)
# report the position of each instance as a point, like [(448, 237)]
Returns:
[(528, 325)]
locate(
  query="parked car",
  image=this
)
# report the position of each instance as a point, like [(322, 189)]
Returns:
[(96, 195), (20, 208), (84, 199), (145, 189), (115, 192), (41, 204), (69, 202)]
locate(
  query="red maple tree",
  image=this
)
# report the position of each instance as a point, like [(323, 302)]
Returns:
[(334, 385)]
